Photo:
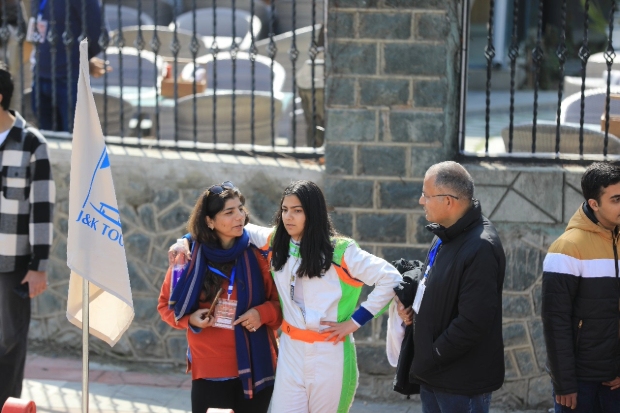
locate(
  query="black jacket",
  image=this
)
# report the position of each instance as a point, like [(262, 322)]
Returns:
[(458, 331), (412, 272), (580, 300)]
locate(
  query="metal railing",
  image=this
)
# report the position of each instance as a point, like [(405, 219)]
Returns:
[(568, 134), (207, 75)]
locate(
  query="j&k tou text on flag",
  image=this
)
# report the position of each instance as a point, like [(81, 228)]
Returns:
[(95, 248)]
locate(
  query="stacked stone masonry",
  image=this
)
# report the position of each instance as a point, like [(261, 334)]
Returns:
[(391, 87), (391, 93), (530, 206), (391, 101), (156, 191)]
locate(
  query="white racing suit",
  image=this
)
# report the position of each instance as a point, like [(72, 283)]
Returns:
[(315, 376)]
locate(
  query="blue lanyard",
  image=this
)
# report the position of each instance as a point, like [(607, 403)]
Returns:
[(431, 256), (231, 279), (42, 7)]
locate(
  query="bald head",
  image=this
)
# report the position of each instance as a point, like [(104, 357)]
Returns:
[(453, 177)]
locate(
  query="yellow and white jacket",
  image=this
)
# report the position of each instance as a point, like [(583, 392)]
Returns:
[(581, 304)]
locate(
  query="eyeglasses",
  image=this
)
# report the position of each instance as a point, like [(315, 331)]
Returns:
[(433, 196), (219, 188)]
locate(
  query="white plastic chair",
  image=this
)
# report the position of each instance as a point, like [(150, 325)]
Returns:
[(594, 106), (146, 76), (243, 81), (129, 17), (165, 36), (224, 27), (243, 110)]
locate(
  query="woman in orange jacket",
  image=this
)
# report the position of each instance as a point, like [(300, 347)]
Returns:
[(231, 348)]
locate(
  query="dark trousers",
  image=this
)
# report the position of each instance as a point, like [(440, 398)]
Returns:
[(439, 402), (14, 322), (57, 117), (227, 394), (593, 397)]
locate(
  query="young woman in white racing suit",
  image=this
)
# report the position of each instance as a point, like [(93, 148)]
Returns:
[(319, 276)]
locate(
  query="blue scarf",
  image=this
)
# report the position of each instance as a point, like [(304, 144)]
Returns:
[(253, 351)]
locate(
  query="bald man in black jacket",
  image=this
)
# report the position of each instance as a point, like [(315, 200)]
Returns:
[(457, 314)]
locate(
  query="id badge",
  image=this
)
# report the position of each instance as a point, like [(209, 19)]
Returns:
[(225, 311), (417, 301), (38, 33)]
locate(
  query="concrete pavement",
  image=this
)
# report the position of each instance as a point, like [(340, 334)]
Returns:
[(54, 384)]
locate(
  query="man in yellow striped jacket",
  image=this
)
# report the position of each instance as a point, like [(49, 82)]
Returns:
[(581, 300)]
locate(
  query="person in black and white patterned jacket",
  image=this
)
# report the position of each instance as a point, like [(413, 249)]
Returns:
[(27, 195)]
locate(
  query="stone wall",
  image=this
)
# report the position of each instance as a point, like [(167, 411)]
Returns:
[(156, 191), (391, 104), (530, 207), (391, 109), (391, 100)]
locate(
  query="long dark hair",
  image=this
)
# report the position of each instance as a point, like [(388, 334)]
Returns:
[(316, 248), (208, 205)]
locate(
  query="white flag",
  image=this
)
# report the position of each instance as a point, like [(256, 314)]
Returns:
[(95, 249)]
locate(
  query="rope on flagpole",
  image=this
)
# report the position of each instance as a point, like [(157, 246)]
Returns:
[(85, 328)]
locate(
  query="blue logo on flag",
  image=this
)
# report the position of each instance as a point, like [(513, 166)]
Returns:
[(102, 210), (105, 210)]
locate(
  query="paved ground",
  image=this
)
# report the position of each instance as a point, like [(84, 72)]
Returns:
[(54, 384)]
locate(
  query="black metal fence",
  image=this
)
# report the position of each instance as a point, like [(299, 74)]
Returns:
[(224, 75), (545, 43)]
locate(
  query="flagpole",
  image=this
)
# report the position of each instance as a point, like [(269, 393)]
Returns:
[(97, 256), (85, 328)]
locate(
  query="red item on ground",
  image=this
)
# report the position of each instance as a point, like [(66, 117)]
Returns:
[(14, 405)]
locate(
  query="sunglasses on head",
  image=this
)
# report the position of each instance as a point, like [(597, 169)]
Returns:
[(219, 188)]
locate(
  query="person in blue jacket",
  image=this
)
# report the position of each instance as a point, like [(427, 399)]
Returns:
[(61, 73)]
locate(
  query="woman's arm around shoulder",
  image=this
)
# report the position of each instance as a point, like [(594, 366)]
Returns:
[(166, 313), (259, 236)]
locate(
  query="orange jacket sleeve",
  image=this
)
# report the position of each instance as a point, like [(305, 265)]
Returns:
[(270, 311), (166, 313)]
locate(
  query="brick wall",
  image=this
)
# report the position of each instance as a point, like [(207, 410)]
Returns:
[(391, 104), (156, 191), (391, 112), (391, 108)]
